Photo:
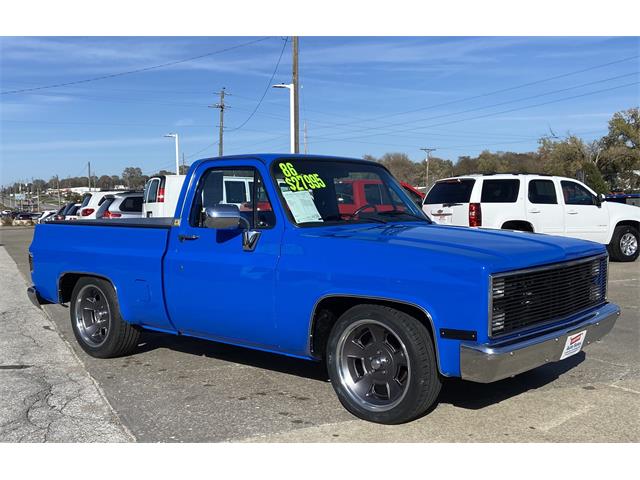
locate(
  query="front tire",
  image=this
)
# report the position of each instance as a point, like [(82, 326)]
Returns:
[(96, 321), (382, 364), (624, 244)]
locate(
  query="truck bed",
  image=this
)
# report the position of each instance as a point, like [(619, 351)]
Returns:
[(128, 252)]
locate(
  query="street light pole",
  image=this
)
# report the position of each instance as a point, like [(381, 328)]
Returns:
[(294, 80), (175, 136), (292, 113)]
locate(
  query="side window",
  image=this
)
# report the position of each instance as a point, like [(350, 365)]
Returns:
[(576, 194), (344, 192), (229, 186), (152, 193), (542, 192), (373, 194), (236, 191), (500, 191), (131, 204)]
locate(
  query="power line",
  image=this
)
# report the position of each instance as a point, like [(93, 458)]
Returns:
[(501, 112), (137, 70), (484, 107), (201, 150), (495, 92), (264, 94)]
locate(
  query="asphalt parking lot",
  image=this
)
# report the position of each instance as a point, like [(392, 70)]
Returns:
[(186, 390)]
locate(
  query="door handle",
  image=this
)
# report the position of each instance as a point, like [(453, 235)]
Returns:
[(572, 212), (182, 237), (535, 210)]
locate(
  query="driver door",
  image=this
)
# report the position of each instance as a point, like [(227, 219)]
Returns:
[(214, 288)]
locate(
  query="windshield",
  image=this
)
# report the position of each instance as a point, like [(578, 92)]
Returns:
[(321, 192)]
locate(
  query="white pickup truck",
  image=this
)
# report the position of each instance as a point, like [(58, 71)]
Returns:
[(536, 203)]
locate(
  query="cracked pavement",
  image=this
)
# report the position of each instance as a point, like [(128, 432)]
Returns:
[(177, 389), (46, 395)]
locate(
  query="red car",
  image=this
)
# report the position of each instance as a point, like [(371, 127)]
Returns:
[(353, 194)]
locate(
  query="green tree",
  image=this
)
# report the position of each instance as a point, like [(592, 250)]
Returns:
[(133, 178), (619, 158)]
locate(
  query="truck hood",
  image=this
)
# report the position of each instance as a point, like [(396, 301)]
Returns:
[(495, 250)]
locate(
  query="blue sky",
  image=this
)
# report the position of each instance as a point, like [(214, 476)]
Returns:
[(360, 95)]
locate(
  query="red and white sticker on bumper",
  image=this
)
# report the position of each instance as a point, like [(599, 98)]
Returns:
[(573, 344)]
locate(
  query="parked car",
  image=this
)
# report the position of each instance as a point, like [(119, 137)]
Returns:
[(536, 203), (416, 195), (59, 215), (44, 215), (352, 193), (69, 212), (626, 198), (303, 280), (31, 216), (121, 205), (91, 201), (161, 195)]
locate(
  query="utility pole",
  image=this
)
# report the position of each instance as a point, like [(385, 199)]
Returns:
[(427, 151), (221, 106), (306, 146), (296, 103), (58, 184), (89, 166)]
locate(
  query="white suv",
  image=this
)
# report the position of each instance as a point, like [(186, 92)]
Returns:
[(536, 203), (91, 201)]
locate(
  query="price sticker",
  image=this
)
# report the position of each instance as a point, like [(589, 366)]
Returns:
[(300, 182)]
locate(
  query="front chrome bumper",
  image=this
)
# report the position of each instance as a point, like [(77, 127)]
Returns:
[(489, 363)]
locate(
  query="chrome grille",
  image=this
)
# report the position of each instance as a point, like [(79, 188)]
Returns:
[(528, 298)]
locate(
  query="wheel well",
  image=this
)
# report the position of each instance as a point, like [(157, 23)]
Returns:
[(629, 223), (68, 281), (329, 309), (520, 225)]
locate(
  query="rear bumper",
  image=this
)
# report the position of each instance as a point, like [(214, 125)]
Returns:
[(35, 298), (489, 363)]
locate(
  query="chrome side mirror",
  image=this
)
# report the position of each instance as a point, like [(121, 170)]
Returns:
[(227, 217), (223, 217)]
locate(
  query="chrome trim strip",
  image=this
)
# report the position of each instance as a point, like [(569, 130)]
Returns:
[(535, 269), (550, 266), (489, 363), (365, 297)]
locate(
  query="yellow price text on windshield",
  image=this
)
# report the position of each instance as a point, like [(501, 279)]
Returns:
[(298, 182)]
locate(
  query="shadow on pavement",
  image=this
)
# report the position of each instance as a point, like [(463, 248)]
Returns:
[(460, 393), (474, 396), (230, 353)]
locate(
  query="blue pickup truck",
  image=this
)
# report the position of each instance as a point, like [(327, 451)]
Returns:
[(289, 264)]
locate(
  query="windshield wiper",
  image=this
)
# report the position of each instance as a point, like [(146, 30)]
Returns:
[(398, 212), (339, 218)]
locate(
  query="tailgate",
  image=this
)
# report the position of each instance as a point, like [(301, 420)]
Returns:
[(447, 202)]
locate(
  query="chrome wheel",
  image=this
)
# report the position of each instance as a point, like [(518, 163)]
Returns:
[(92, 315), (373, 365), (628, 244)]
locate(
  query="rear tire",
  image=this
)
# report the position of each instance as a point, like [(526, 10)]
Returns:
[(382, 364), (96, 321), (624, 244)]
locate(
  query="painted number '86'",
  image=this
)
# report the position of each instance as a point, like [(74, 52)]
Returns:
[(288, 170)]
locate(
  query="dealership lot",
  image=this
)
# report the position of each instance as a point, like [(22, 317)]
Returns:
[(179, 389)]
